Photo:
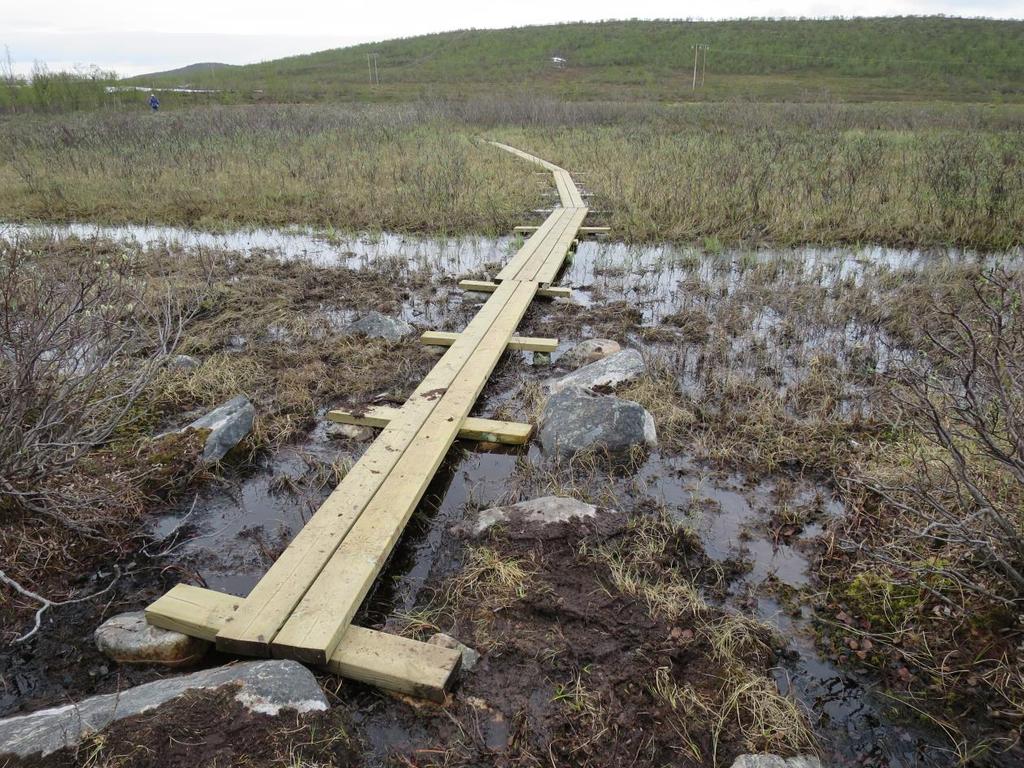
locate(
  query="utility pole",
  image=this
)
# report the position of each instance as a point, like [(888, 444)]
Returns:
[(371, 67), (698, 50)]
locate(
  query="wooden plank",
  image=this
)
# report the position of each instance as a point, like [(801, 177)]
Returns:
[(473, 428), (252, 628), (387, 661), (525, 229), (485, 286), (319, 621), (549, 258), (526, 343), (535, 241)]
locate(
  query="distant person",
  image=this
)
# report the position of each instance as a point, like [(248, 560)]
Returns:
[(154, 102)]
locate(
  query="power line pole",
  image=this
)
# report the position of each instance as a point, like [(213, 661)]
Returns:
[(698, 49)]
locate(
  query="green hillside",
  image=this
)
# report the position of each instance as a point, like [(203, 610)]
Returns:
[(890, 58)]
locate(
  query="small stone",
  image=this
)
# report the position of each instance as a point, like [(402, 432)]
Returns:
[(541, 511), (237, 342), (377, 326), (469, 656), (774, 761), (129, 639), (228, 425), (182, 363), (336, 431), (605, 374), (576, 420), (590, 351)]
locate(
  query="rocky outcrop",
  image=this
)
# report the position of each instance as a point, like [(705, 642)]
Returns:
[(606, 374), (265, 687), (590, 351), (576, 420), (542, 511), (128, 639), (228, 424), (377, 326)]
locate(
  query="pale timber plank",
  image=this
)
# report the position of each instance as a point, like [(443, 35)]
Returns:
[(473, 428), (387, 661), (485, 286), (527, 343), (319, 621), (270, 603)]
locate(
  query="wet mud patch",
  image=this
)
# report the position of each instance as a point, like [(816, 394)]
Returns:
[(587, 659)]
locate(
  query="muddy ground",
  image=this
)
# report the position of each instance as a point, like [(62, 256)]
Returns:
[(695, 622)]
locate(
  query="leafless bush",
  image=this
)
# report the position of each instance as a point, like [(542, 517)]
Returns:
[(79, 343), (963, 488)]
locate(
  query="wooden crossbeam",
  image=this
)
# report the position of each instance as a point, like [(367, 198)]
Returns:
[(473, 428), (526, 343), (582, 230), (486, 286), (387, 661)]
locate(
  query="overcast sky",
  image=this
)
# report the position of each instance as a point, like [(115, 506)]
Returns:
[(132, 37)]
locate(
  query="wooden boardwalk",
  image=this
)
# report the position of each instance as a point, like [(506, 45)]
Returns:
[(303, 607)]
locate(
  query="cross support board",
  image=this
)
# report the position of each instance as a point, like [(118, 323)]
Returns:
[(303, 606), (486, 430)]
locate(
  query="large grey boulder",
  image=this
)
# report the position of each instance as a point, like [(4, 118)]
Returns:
[(590, 351), (576, 420), (606, 374), (228, 424), (378, 326), (774, 761), (265, 687), (542, 511), (129, 639)]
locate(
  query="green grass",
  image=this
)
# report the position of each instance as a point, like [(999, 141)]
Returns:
[(711, 174), (806, 59)]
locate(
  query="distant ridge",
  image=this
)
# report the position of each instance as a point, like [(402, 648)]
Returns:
[(908, 57)]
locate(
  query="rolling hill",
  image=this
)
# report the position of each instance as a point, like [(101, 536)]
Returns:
[(872, 58)]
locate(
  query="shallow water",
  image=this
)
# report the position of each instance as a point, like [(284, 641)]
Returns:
[(236, 528)]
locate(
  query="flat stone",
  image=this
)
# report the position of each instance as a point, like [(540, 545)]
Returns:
[(590, 351), (542, 511), (606, 374), (774, 761), (237, 342), (469, 656), (576, 419), (128, 639), (182, 363), (228, 424), (264, 687), (336, 431), (377, 326)]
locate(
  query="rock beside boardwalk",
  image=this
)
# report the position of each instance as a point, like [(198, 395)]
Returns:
[(590, 351), (377, 326), (129, 639), (606, 374), (541, 511), (576, 420), (265, 687), (774, 761), (469, 656), (228, 425)]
